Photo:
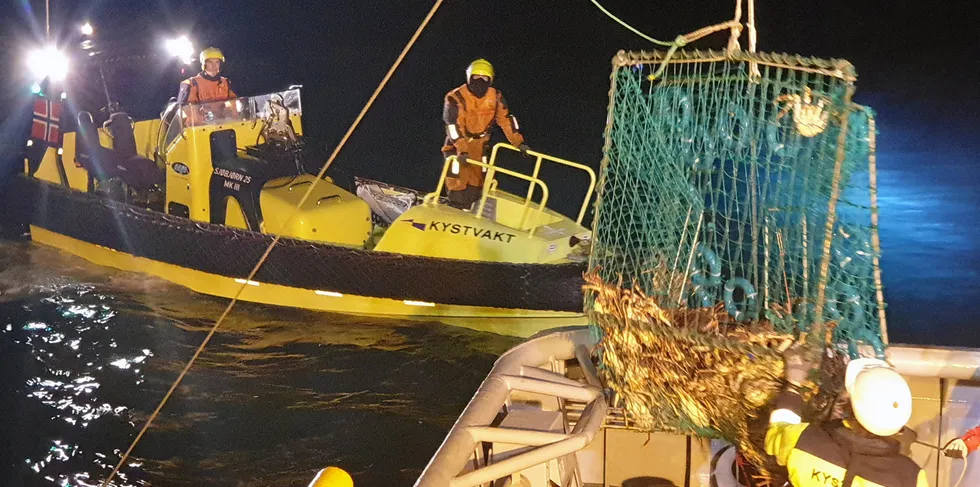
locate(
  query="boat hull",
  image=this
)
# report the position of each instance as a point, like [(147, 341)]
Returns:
[(511, 299)]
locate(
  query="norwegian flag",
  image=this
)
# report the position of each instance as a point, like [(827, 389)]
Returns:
[(47, 121)]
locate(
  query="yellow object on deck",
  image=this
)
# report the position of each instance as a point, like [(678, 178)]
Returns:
[(332, 477)]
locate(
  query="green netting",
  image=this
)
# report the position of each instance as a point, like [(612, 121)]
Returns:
[(717, 187)]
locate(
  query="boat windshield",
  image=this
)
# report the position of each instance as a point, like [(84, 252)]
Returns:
[(229, 111), (244, 109)]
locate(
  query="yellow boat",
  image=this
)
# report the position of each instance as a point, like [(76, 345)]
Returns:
[(199, 203)]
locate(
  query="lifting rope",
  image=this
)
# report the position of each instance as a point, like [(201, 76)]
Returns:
[(735, 25), (275, 240)]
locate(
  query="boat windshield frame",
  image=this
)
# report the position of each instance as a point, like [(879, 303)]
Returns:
[(242, 109), (174, 118)]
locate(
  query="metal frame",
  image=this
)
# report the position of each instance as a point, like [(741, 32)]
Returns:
[(518, 370), (491, 185)]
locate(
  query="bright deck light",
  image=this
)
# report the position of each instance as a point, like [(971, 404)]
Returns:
[(181, 48), (48, 62)]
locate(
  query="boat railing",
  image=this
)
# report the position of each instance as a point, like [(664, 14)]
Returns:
[(519, 370), (539, 158), (535, 212), (531, 213)]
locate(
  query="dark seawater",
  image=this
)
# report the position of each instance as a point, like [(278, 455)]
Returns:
[(86, 353)]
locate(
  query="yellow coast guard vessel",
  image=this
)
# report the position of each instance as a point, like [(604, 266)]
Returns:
[(198, 203)]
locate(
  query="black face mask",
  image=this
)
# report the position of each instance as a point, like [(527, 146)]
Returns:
[(478, 86), (205, 75)]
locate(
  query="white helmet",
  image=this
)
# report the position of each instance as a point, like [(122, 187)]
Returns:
[(880, 397)]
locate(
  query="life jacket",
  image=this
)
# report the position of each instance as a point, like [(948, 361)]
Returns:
[(201, 89)]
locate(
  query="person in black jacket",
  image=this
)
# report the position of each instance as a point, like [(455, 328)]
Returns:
[(861, 452)]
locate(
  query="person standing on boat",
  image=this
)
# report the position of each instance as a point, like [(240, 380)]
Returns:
[(207, 86), (860, 452), (470, 113)]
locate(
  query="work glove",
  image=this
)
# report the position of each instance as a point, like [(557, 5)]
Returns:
[(797, 367), (460, 158), (524, 148), (955, 449)]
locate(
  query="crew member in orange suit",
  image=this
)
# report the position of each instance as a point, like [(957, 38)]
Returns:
[(208, 86), (470, 113)]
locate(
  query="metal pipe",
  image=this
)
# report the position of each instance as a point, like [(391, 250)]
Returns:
[(546, 375), (595, 413), (936, 362), (455, 452), (578, 392), (514, 436), (584, 356)]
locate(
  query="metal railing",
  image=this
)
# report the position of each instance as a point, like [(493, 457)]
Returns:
[(518, 370), (491, 169), (537, 169), (434, 196)]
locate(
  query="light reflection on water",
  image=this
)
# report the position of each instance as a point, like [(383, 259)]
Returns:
[(72, 351), (930, 237), (87, 353)]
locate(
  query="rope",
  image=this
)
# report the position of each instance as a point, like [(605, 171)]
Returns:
[(753, 38), (835, 191), (275, 240), (685, 39), (631, 28), (736, 32), (875, 238), (941, 450)]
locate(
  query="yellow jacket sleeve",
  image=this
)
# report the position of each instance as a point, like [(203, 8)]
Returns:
[(922, 480), (781, 439)]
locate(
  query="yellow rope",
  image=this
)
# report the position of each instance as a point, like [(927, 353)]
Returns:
[(737, 31), (630, 27), (875, 238), (681, 40), (275, 240)]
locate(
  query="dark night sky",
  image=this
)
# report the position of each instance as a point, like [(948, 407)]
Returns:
[(917, 64), (914, 60)]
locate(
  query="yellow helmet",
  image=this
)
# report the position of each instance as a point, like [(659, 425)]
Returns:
[(212, 53), (479, 67)]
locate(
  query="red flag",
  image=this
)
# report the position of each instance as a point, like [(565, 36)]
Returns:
[(47, 120)]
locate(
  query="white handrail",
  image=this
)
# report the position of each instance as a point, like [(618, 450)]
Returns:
[(516, 371)]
